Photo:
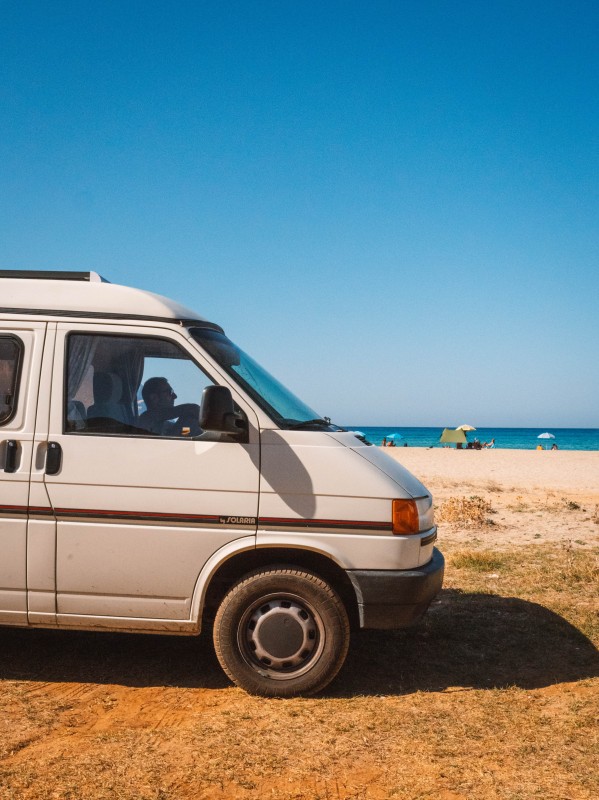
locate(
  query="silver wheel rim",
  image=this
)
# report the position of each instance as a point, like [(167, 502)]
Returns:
[(281, 636)]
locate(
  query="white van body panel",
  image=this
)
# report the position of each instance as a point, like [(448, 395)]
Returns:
[(389, 466), (217, 560), (41, 531), (315, 463), (125, 624), (14, 497), (350, 551), (311, 478), (330, 494)]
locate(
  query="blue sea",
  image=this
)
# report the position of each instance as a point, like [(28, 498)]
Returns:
[(510, 438)]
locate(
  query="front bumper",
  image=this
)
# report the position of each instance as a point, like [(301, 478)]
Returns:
[(396, 598)]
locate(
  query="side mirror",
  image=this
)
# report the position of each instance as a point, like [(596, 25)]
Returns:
[(217, 412)]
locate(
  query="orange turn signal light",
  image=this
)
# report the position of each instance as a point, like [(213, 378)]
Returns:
[(405, 517)]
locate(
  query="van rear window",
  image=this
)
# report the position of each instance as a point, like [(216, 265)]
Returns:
[(11, 350)]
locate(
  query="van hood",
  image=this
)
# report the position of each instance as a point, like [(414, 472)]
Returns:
[(389, 466)]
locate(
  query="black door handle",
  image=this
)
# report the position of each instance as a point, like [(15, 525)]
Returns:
[(53, 458), (10, 460)]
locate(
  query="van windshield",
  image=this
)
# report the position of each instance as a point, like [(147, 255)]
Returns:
[(287, 410)]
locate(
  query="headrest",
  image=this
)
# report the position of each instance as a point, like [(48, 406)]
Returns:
[(108, 387)]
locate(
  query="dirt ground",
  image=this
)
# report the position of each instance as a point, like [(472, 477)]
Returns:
[(493, 695)]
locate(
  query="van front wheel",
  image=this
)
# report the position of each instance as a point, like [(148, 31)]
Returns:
[(281, 632)]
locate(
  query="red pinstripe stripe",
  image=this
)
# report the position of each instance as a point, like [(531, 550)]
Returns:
[(215, 518)]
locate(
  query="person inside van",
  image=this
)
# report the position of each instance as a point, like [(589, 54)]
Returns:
[(162, 417)]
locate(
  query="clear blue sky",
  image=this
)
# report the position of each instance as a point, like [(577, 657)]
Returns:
[(392, 205)]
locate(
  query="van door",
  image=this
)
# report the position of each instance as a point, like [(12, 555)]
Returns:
[(140, 502), (21, 345)]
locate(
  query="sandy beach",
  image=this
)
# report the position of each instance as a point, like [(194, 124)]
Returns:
[(536, 496)]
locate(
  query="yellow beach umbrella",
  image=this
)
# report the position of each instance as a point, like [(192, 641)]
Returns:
[(465, 428)]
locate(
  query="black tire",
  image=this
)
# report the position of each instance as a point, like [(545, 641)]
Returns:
[(281, 632)]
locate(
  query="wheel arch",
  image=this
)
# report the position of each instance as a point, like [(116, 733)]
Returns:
[(240, 563)]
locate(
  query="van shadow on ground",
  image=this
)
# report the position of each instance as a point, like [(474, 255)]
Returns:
[(471, 640), (480, 641), (126, 659)]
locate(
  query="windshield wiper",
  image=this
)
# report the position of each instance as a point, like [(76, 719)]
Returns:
[(308, 423)]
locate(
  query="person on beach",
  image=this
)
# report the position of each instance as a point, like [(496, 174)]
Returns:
[(489, 445)]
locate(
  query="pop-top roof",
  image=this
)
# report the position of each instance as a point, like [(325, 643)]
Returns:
[(52, 275), (84, 294)]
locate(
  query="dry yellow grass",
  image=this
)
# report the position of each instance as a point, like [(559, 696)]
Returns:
[(466, 512)]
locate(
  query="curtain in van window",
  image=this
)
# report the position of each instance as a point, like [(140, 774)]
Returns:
[(81, 355), (132, 365), (9, 359)]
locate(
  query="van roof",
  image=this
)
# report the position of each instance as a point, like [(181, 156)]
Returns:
[(86, 294)]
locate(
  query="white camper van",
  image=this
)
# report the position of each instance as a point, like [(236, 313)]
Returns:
[(154, 478)]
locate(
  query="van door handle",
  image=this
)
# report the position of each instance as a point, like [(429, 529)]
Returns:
[(53, 458), (10, 460)]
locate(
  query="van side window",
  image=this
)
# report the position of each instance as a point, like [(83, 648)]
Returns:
[(11, 352), (131, 385)]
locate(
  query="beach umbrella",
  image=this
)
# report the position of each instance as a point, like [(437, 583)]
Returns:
[(465, 428), (546, 436), (395, 436)]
